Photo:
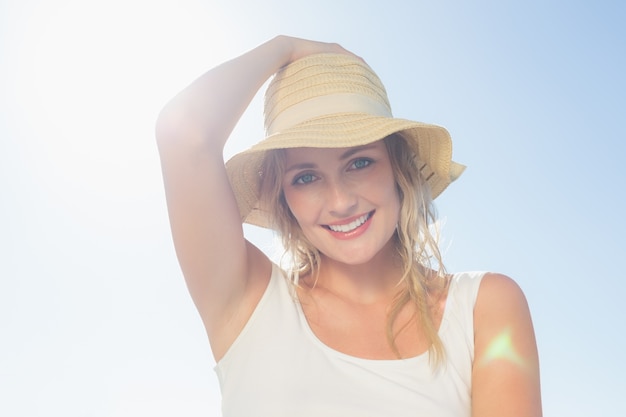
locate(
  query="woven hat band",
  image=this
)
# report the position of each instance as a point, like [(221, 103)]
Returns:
[(324, 106)]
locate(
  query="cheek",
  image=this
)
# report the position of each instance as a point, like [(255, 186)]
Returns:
[(391, 194), (394, 198), (387, 189), (299, 205)]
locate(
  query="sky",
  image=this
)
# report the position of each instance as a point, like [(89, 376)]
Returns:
[(95, 319)]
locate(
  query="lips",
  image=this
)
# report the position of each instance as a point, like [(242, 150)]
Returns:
[(349, 227)]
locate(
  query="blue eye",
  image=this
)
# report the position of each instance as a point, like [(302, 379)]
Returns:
[(361, 163), (304, 179)]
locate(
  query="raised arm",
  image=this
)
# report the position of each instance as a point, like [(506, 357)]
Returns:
[(225, 274), (505, 380)]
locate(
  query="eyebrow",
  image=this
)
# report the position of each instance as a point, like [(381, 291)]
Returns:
[(347, 154), (297, 167)]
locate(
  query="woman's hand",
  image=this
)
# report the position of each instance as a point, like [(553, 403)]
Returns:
[(303, 47)]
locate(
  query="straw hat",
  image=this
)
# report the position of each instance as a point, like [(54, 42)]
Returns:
[(333, 101)]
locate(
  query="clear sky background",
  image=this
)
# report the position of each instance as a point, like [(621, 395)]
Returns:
[(95, 319)]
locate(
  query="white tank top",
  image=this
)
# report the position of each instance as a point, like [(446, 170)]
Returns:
[(278, 367)]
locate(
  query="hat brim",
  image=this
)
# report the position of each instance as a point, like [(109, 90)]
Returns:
[(431, 143)]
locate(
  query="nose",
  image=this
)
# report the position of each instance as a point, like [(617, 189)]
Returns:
[(341, 199)]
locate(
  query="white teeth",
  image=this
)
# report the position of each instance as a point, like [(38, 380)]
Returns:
[(345, 228)]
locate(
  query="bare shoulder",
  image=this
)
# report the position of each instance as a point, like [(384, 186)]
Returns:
[(505, 378), (223, 332), (260, 269), (501, 313), (499, 293)]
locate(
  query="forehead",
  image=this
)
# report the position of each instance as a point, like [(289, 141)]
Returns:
[(301, 154)]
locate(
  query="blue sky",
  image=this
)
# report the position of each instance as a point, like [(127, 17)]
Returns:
[(95, 317)]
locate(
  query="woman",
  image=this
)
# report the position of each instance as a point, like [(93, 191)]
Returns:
[(367, 322)]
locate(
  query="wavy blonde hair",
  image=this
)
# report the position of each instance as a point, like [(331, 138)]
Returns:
[(415, 242)]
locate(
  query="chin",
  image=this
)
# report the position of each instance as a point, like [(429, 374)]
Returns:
[(363, 257)]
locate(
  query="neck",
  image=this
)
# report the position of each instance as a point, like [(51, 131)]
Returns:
[(367, 283)]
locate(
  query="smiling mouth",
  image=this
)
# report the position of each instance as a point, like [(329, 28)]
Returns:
[(349, 227)]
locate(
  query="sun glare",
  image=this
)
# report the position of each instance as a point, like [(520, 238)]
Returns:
[(92, 78)]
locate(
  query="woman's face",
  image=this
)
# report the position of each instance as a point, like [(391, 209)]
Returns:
[(344, 199)]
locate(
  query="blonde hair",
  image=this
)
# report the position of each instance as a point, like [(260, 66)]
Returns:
[(415, 243)]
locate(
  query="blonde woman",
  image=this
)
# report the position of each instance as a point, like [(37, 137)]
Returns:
[(366, 321)]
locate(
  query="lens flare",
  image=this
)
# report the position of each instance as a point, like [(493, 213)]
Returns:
[(501, 348)]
